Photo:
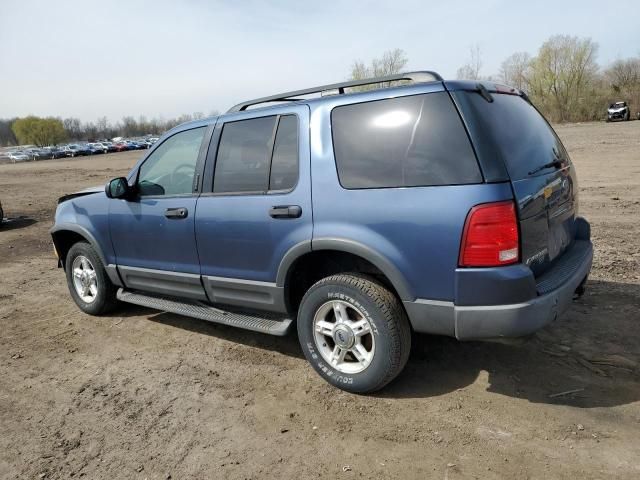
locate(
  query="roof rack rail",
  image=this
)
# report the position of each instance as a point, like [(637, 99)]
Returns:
[(416, 77)]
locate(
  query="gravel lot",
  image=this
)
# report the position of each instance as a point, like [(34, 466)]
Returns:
[(144, 394)]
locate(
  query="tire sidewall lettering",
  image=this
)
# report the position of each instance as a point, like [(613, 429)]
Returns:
[(357, 304)]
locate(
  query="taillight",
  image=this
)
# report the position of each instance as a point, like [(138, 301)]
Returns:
[(490, 236)]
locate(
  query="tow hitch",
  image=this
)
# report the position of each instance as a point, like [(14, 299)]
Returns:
[(580, 290)]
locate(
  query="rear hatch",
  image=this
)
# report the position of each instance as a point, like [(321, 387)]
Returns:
[(537, 165)]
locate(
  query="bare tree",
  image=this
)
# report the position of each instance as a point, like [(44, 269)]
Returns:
[(7, 137), (359, 71), (102, 127), (390, 63), (73, 128), (624, 74), (471, 69), (623, 78), (514, 70)]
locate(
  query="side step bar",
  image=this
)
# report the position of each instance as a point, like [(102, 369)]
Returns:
[(271, 324)]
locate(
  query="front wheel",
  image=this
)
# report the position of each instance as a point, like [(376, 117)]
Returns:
[(354, 332), (87, 280)]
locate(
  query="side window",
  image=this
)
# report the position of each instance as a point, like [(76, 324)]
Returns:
[(284, 165), (409, 141), (170, 169), (249, 159), (242, 164)]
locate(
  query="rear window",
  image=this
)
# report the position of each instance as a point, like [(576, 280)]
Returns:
[(519, 134), (402, 142)]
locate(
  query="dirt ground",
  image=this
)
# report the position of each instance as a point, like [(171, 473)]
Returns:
[(143, 394)]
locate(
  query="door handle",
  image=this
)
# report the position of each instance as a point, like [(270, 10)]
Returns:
[(285, 211), (176, 212)]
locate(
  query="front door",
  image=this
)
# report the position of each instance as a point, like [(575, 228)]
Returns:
[(153, 233), (257, 207)]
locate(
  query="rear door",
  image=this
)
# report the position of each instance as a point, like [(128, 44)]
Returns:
[(255, 206), (542, 176)]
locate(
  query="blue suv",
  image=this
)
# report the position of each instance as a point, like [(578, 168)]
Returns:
[(362, 211)]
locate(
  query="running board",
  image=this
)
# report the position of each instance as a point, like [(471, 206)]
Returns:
[(271, 324)]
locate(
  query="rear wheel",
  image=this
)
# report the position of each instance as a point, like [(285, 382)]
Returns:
[(354, 332), (87, 280)]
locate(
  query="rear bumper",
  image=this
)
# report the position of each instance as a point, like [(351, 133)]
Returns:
[(518, 304), (516, 320)]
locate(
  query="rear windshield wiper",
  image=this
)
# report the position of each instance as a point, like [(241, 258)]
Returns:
[(556, 163), (484, 93)]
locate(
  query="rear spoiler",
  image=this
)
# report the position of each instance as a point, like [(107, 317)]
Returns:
[(484, 88)]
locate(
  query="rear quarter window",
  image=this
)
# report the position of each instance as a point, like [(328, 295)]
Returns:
[(409, 141)]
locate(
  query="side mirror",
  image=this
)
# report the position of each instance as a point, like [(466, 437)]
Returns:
[(117, 188)]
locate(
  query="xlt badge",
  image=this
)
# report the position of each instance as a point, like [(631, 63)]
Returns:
[(538, 257)]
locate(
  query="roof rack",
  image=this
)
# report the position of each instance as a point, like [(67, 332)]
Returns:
[(415, 77)]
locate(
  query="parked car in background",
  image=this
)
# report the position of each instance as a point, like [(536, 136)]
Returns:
[(1, 213), (57, 152), (37, 153), (18, 156), (96, 148), (618, 111), (109, 146), (76, 150), (134, 145), (122, 147), (53, 152)]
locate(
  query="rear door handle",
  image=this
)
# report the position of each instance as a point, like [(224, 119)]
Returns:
[(285, 211), (176, 212)]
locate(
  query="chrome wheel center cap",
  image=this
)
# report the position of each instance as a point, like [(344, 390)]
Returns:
[(343, 337)]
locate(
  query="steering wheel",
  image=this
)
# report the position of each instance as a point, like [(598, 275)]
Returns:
[(181, 181)]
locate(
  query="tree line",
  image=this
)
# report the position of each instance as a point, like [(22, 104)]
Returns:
[(39, 131), (563, 79)]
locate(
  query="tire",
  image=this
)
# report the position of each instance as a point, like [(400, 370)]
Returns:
[(386, 345), (104, 298)]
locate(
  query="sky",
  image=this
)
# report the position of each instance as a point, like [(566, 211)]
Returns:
[(163, 58)]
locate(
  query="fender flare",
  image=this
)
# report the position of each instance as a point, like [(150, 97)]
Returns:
[(83, 232), (112, 270), (394, 275)]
